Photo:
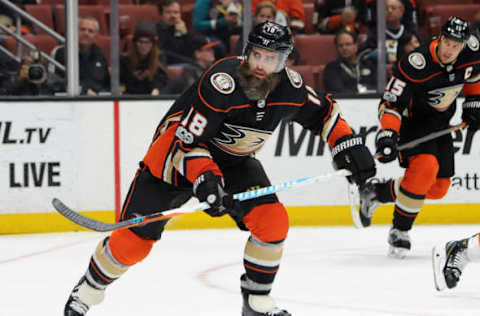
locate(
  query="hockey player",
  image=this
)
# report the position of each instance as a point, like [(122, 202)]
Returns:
[(205, 145), (419, 99), (450, 259)]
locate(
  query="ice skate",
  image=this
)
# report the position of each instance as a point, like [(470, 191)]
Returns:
[(368, 203), (82, 297), (448, 262), (261, 305), (399, 242)]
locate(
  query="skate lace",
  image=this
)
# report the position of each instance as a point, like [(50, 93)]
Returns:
[(457, 261)]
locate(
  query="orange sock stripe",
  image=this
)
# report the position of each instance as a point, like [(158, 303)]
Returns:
[(99, 273), (260, 270), (404, 213)]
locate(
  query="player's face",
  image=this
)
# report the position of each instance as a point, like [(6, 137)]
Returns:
[(448, 50), (262, 62)]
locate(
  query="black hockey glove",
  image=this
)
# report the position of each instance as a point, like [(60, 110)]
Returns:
[(471, 112), (209, 188), (350, 153), (386, 144)]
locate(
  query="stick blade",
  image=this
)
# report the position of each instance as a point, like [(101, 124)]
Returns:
[(79, 218)]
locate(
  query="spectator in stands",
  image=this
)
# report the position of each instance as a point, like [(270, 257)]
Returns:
[(142, 69), (409, 18), (475, 27), (7, 74), (203, 55), (34, 79), (94, 75), (264, 11), (332, 15), (218, 20), (289, 12), (8, 16), (347, 74), (407, 43), (394, 33), (172, 33)]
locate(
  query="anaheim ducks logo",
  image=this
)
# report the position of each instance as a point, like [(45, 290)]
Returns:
[(441, 99), (240, 141)]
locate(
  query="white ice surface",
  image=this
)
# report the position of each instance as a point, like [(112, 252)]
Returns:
[(325, 271)]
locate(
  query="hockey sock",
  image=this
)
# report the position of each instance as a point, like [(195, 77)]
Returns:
[(386, 192), (473, 250), (261, 261), (407, 207), (104, 268)]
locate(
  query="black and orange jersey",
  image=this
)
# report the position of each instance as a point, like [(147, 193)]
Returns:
[(422, 92), (214, 125)]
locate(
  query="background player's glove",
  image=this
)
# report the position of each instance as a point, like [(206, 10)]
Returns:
[(350, 153), (471, 112), (208, 187), (386, 144)]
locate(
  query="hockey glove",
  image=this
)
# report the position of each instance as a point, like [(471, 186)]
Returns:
[(386, 144), (471, 113), (350, 153), (209, 188)]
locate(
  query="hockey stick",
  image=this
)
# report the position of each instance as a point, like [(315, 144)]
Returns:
[(353, 196), (426, 138), (99, 226)]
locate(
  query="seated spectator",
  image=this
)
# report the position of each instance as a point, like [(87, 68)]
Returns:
[(347, 74), (172, 33), (141, 69), (264, 11), (34, 79), (218, 20), (289, 12), (8, 17), (407, 44), (409, 18), (475, 27), (94, 75), (203, 55), (332, 15), (8, 74), (394, 33)]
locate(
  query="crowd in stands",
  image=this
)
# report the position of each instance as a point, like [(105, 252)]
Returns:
[(165, 45)]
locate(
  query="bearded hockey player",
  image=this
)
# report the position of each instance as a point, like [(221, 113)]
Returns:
[(204, 147), (419, 99)]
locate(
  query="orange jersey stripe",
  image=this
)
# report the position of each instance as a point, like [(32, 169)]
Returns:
[(390, 121), (340, 129)]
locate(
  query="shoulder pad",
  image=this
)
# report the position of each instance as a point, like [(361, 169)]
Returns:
[(473, 43), (222, 82), (295, 78)]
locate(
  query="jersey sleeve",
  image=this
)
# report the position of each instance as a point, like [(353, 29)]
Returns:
[(397, 96), (321, 114)]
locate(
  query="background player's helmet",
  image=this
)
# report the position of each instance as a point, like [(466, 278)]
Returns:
[(273, 37), (456, 29)]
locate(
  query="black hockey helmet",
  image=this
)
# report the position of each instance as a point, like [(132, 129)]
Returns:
[(456, 29), (273, 37)]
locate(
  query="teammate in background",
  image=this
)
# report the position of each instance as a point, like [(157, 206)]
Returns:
[(451, 258), (205, 145), (419, 99)]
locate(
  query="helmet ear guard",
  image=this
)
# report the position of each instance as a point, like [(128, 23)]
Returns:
[(273, 37)]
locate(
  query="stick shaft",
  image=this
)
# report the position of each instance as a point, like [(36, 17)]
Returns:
[(100, 226)]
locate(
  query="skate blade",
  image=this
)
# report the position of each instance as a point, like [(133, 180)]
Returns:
[(438, 262), (354, 200), (398, 253)]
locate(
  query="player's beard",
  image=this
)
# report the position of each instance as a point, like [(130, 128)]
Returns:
[(254, 88)]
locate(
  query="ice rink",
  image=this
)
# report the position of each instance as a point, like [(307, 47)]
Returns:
[(325, 271)]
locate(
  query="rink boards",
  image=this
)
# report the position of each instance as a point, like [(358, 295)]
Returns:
[(86, 153)]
